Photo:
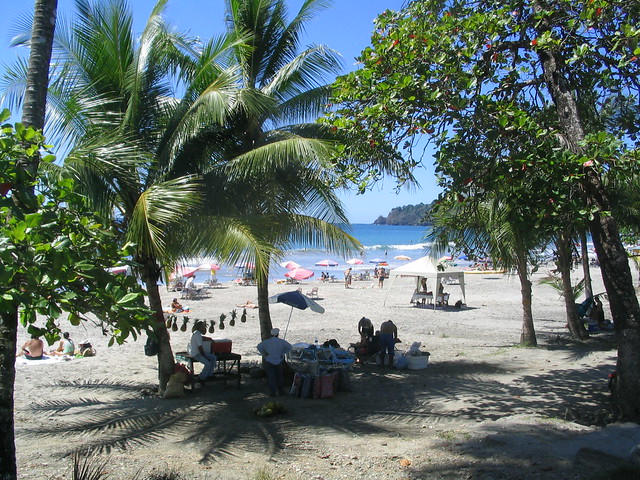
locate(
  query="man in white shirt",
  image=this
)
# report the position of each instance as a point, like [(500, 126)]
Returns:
[(199, 349), (273, 351)]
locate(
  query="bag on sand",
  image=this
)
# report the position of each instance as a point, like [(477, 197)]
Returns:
[(86, 349), (151, 347)]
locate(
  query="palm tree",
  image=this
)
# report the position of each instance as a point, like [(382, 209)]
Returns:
[(33, 115), (500, 230), (275, 159), (112, 100)]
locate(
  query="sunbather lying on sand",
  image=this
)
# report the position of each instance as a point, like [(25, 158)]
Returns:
[(248, 304)]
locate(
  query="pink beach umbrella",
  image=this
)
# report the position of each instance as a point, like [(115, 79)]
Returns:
[(184, 272), (355, 261), (299, 274), (290, 265), (402, 257), (117, 270), (327, 263)]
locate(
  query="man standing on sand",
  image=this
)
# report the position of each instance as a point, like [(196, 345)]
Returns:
[(347, 278), (388, 340), (273, 351), (33, 349)]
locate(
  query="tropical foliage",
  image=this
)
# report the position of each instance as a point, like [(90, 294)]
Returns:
[(56, 254), (533, 103)]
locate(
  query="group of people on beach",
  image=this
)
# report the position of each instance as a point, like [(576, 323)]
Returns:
[(34, 349), (382, 341)]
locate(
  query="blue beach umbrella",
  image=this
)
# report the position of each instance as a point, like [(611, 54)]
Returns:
[(377, 260), (297, 300)]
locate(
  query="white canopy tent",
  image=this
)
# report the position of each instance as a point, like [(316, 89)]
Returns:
[(426, 267)]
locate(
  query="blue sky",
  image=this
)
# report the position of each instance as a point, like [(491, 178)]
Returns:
[(345, 26)]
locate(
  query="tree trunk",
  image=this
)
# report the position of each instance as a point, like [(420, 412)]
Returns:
[(528, 336), (625, 310), (33, 115), (166, 364), (41, 45), (8, 339), (612, 256), (563, 245), (586, 271), (262, 281)]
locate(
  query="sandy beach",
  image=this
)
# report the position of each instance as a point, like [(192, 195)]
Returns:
[(483, 408)]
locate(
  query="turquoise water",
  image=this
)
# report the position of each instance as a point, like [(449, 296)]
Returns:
[(379, 241)]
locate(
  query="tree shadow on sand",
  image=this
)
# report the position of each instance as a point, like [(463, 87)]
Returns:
[(218, 421)]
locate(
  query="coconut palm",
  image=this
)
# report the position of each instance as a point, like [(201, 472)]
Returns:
[(33, 115), (275, 159), (498, 229), (113, 101)]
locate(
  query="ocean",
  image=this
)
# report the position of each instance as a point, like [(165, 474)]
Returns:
[(380, 242)]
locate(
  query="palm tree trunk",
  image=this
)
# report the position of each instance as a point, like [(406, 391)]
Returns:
[(166, 364), (528, 335), (563, 244), (264, 315), (8, 338), (41, 45), (33, 115)]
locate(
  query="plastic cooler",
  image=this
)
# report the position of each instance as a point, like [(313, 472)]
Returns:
[(221, 345), (417, 363)]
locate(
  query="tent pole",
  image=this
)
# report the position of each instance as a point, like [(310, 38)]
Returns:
[(388, 290)]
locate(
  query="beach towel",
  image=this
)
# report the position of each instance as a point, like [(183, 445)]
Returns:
[(45, 360)]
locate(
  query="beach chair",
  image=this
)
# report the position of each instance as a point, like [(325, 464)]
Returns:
[(313, 293)]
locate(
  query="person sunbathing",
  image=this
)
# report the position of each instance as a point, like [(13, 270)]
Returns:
[(248, 304), (65, 347), (33, 349)]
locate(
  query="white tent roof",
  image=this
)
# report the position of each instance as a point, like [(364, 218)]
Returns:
[(427, 267)]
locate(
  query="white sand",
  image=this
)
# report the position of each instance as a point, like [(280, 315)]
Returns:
[(482, 409)]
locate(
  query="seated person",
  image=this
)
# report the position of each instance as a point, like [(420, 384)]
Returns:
[(199, 349), (33, 349), (177, 307), (65, 347)]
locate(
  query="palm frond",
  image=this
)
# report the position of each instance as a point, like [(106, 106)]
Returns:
[(158, 209), (283, 148), (309, 69)]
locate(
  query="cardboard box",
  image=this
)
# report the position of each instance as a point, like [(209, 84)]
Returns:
[(221, 345)]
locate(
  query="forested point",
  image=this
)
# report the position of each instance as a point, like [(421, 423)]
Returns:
[(406, 215)]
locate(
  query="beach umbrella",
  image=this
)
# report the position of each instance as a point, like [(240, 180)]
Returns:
[(208, 267), (299, 274), (117, 270), (184, 272), (297, 300), (247, 265), (446, 258), (355, 261), (377, 260), (327, 263), (289, 265), (402, 257)]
